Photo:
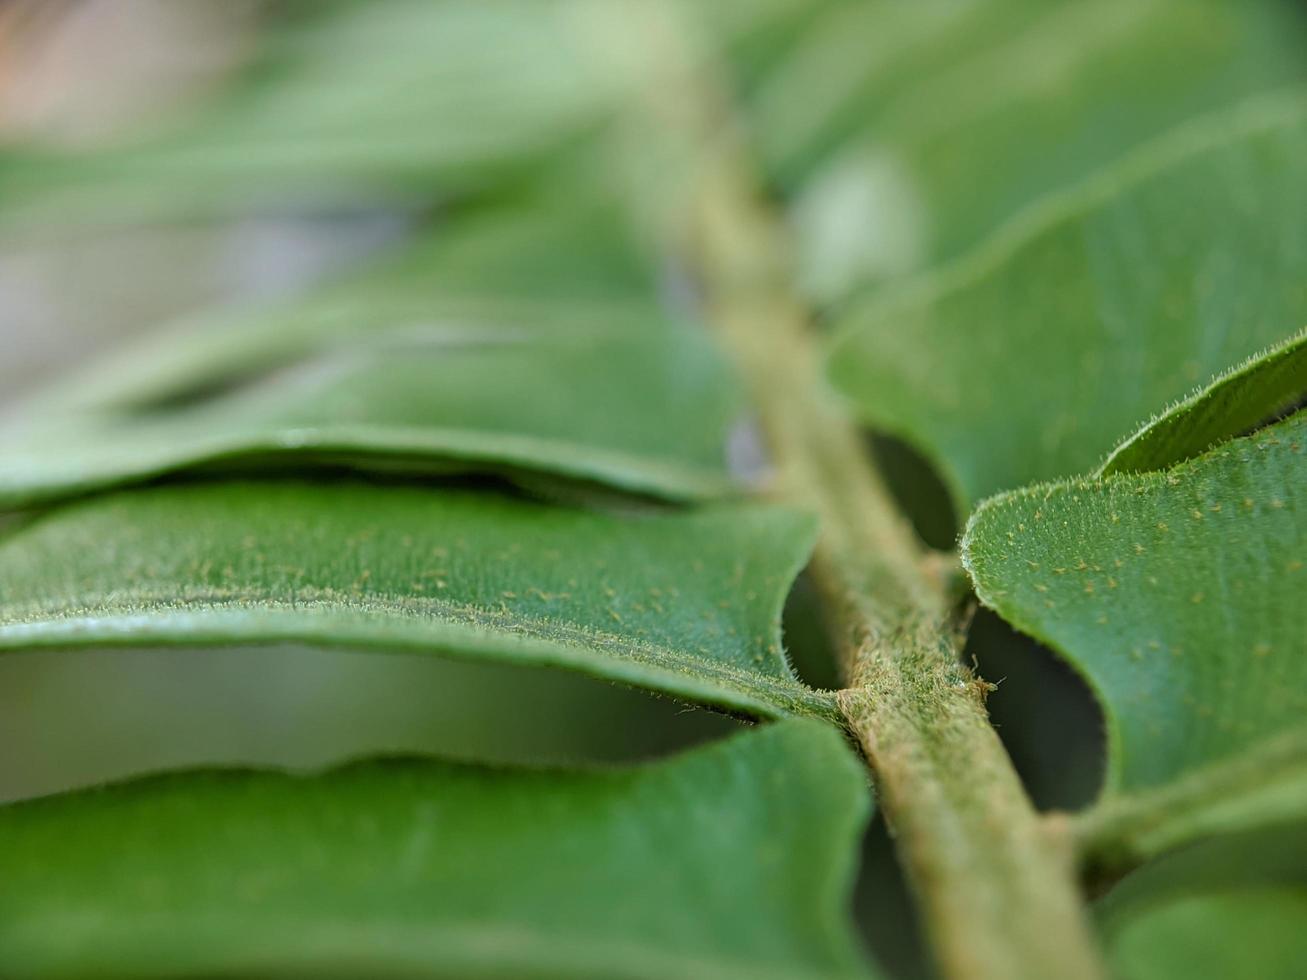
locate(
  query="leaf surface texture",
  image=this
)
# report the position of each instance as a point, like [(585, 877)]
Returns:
[(728, 861), (686, 603), (1176, 593), (1030, 359)]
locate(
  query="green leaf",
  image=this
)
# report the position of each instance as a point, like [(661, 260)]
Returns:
[(1263, 784), (731, 861), (685, 603), (1178, 594), (1262, 388), (902, 160), (865, 60), (514, 340), (1235, 906), (1030, 358), (388, 103), (1260, 935)]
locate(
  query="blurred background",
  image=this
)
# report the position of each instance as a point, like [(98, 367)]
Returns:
[(258, 168), (86, 267)]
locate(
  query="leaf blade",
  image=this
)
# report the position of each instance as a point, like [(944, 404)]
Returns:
[(521, 341), (1234, 403), (1175, 593), (1144, 284), (911, 143), (395, 105), (419, 867), (685, 603), (1223, 907)]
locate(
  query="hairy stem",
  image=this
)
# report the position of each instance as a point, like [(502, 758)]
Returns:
[(996, 887)]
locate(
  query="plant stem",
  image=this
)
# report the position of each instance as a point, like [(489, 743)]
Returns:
[(997, 887)]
